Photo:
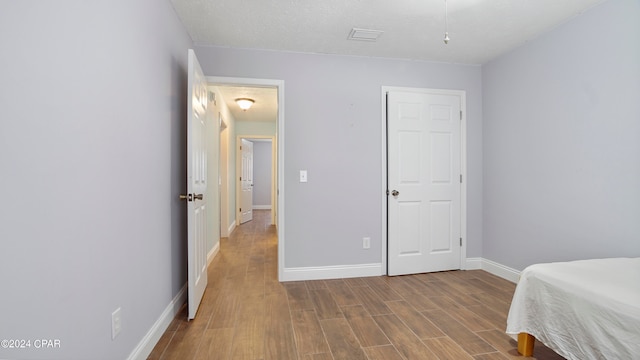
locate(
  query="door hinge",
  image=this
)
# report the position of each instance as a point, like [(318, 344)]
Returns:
[(460, 241), (240, 147), (460, 178), (240, 210), (460, 114)]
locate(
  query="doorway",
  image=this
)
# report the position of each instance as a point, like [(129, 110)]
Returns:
[(256, 186), (425, 212), (228, 192)]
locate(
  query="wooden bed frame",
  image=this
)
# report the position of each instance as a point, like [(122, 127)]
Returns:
[(525, 344)]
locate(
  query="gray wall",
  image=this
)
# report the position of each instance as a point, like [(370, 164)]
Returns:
[(227, 165), (214, 162), (92, 129), (562, 142), (255, 128), (262, 173), (333, 129)]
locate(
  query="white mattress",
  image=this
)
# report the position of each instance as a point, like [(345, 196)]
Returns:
[(587, 309)]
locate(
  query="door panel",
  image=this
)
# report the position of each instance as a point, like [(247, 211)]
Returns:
[(196, 184), (440, 223), (246, 182), (409, 157), (409, 228), (440, 158), (424, 165)]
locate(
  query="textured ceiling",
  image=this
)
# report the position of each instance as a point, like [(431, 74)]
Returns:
[(479, 30), (413, 29)]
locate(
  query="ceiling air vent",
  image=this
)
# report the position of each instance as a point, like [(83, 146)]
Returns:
[(364, 34)]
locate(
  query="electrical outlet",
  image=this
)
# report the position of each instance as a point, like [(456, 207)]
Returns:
[(116, 323), (366, 242)]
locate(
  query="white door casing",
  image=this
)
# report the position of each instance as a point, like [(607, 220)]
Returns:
[(196, 184), (246, 181), (279, 187), (424, 167)]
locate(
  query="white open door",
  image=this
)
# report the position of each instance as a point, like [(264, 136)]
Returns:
[(196, 184), (424, 171), (246, 181)]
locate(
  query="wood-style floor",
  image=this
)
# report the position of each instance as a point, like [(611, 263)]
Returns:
[(247, 314)]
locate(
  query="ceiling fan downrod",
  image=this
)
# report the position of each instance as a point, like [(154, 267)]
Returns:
[(446, 27)]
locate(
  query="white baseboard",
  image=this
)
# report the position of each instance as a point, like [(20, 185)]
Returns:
[(332, 272), (149, 341), (500, 270), (231, 227), (473, 264), (212, 254), (364, 270), (261, 207)]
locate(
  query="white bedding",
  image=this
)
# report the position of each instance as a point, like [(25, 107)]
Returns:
[(587, 309)]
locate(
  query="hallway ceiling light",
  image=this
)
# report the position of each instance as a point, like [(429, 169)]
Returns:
[(244, 103)]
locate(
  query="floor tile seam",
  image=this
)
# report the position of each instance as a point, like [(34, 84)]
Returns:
[(490, 352), (455, 342), (471, 308), (354, 305), (464, 326), (200, 342), (324, 335), (379, 328), (293, 330), (410, 329), (494, 284), (455, 318), (496, 281), (389, 344), (317, 353), (403, 323), (334, 301), (489, 330), (235, 330), (352, 333), (438, 337), (493, 297), (451, 300), (161, 356), (317, 318)]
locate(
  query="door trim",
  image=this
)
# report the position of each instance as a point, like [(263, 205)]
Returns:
[(274, 169), (463, 169), (280, 143)]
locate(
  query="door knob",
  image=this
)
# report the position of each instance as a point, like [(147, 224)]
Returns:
[(191, 197), (395, 193)]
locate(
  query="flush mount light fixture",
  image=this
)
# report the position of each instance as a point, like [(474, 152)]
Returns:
[(244, 103)]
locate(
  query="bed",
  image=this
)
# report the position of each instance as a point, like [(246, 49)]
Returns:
[(586, 309)]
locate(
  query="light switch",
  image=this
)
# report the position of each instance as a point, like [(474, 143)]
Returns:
[(303, 175)]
